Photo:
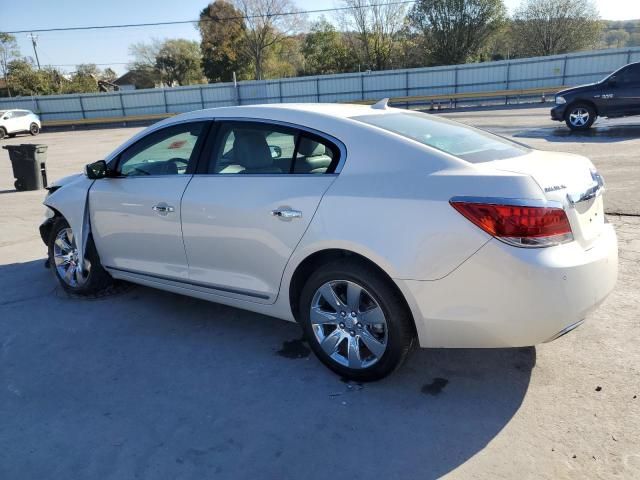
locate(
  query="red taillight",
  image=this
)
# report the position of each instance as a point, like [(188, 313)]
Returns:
[(519, 225)]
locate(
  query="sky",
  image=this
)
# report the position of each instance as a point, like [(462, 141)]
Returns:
[(110, 47)]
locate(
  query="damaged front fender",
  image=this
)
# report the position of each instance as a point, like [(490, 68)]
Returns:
[(70, 199)]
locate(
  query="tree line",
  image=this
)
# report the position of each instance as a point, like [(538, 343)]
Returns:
[(261, 39)]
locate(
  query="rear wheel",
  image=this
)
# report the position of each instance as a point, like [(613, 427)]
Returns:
[(580, 116), (34, 129), (64, 258), (356, 323)]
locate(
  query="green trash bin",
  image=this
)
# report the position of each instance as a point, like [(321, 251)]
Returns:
[(29, 162)]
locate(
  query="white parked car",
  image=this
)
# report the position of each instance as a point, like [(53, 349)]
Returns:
[(374, 228), (17, 121)]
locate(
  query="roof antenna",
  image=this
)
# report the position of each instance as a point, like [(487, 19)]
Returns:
[(381, 105)]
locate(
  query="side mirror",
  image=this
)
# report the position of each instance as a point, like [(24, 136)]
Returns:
[(612, 82), (96, 170), (276, 151), (5, 118)]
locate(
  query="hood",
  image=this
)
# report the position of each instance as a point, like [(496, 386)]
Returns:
[(578, 89), (61, 182)]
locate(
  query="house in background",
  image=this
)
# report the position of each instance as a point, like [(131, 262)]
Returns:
[(136, 79)]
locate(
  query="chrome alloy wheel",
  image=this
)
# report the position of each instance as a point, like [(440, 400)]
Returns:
[(349, 324), (66, 258), (579, 117)]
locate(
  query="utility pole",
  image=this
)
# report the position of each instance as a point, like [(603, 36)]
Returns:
[(34, 41)]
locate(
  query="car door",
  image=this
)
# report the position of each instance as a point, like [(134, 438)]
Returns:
[(248, 206), (21, 119), (10, 121), (621, 92), (629, 90), (135, 213)]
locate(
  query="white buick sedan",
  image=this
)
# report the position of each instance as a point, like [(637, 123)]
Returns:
[(374, 228)]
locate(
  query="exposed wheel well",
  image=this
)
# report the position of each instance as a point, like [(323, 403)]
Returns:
[(583, 102), (313, 261), (45, 228)]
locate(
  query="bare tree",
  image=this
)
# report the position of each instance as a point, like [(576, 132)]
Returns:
[(266, 27), (548, 27), (376, 25), (144, 60), (9, 51)]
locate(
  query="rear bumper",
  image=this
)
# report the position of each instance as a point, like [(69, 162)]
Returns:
[(557, 113), (510, 297)]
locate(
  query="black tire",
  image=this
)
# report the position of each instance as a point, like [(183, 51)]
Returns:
[(34, 129), (3, 132), (400, 329), (98, 278), (575, 116)]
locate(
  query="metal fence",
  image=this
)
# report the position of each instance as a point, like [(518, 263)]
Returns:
[(570, 69)]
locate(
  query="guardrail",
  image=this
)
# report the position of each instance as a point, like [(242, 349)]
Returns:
[(451, 98)]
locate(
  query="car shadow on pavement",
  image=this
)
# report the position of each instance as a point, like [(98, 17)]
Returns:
[(149, 384), (599, 133)]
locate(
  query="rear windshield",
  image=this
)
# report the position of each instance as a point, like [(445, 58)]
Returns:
[(464, 142)]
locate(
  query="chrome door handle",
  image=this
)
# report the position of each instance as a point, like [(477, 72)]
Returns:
[(163, 209), (286, 213)]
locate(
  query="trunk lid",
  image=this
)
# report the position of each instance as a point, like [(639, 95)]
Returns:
[(566, 178)]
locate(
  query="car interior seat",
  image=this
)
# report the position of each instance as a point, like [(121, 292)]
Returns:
[(312, 157)]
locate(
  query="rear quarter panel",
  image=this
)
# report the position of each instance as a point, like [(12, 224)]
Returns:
[(391, 204)]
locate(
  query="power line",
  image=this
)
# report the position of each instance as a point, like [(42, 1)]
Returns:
[(181, 22)]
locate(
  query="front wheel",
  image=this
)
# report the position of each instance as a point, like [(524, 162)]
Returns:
[(34, 129), (355, 321), (64, 259), (580, 116)]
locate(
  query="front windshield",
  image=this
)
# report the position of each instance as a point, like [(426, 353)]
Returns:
[(454, 138)]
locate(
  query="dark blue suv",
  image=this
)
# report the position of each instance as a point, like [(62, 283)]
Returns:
[(618, 95)]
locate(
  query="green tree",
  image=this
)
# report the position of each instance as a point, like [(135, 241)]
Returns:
[(325, 51), (549, 27), (456, 31), (634, 40), (180, 61), (83, 80), (285, 59), (616, 38), (9, 52), (222, 30), (27, 80)]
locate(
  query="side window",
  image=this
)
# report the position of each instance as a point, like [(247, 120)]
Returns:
[(254, 148), (315, 155), (629, 75), (250, 148), (165, 152)]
